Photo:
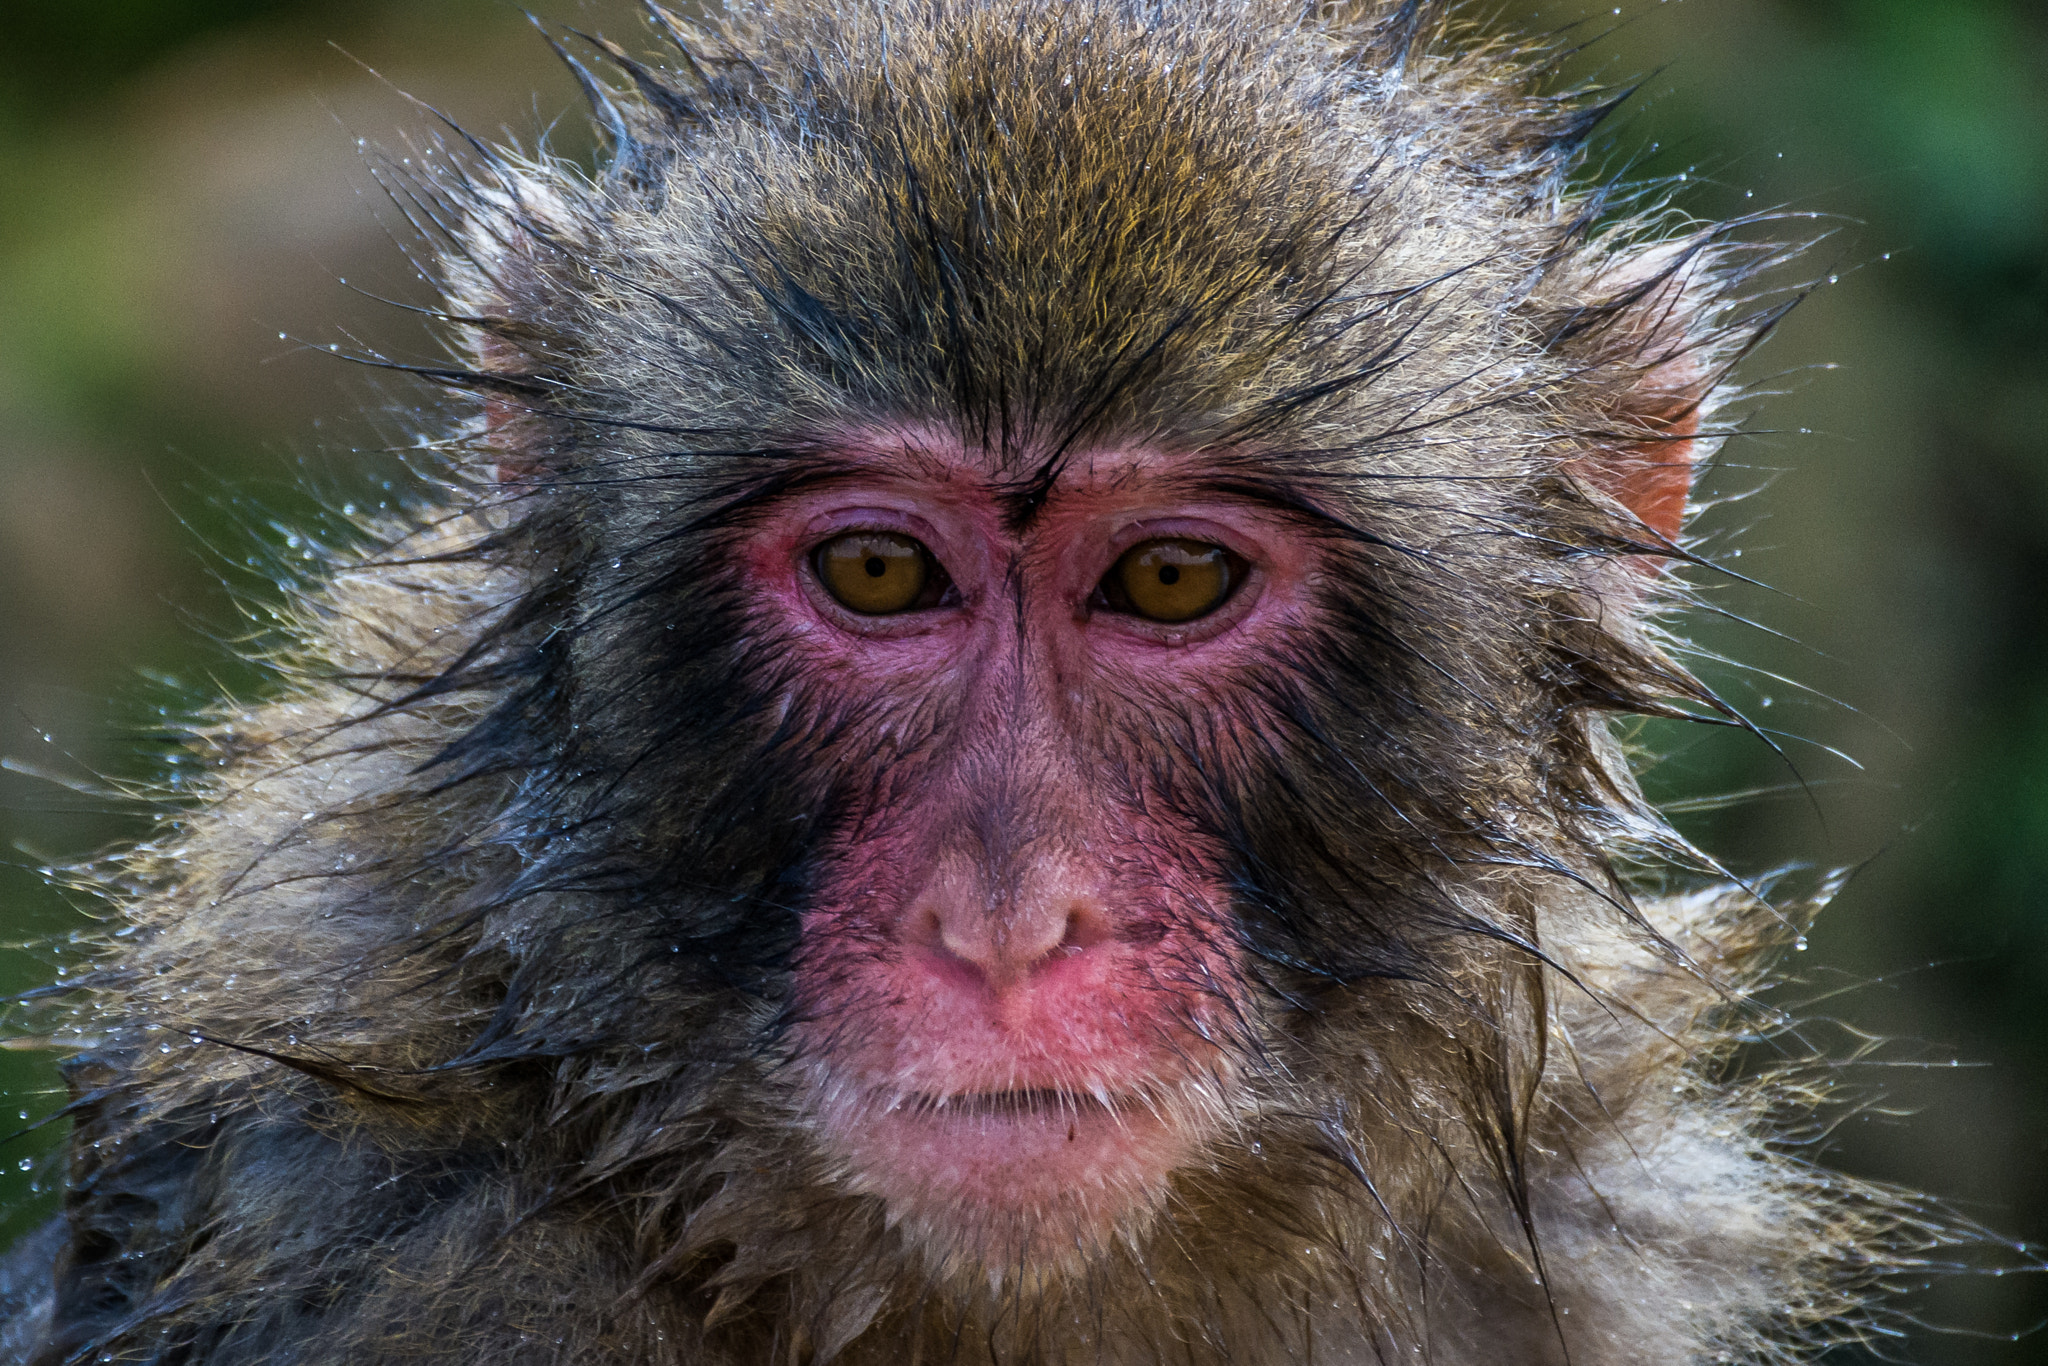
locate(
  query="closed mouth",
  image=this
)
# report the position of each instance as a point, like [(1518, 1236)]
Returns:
[(997, 1173), (1030, 1103)]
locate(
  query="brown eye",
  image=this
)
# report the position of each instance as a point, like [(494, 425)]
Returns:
[(1172, 579), (875, 573)]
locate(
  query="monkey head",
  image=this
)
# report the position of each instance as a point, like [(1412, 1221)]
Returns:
[(1074, 546)]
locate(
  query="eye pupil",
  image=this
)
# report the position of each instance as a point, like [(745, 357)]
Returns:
[(876, 566), (1169, 573)]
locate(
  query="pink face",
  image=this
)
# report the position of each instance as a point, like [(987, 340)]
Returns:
[(1018, 987)]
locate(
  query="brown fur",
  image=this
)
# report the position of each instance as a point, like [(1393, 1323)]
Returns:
[(396, 1064)]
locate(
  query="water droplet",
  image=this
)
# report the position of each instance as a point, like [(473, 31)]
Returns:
[(26, 1164)]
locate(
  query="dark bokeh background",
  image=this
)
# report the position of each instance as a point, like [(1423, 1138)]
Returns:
[(179, 184)]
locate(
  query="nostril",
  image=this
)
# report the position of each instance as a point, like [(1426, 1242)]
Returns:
[(924, 925), (1005, 935), (1010, 944), (1086, 927)]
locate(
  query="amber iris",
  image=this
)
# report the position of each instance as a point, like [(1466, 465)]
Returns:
[(875, 572), (1172, 579)]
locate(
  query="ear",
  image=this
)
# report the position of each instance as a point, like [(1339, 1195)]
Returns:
[(516, 432), (1655, 364), (505, 272), (1652, 476)]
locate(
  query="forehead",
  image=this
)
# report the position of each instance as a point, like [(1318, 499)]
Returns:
[(1022, 477), (1080, 223), (937, 453)]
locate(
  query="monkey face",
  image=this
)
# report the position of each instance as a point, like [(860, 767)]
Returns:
[(1045, 789), (1016, 983)]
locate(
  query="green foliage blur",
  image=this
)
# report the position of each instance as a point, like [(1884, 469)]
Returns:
[(179, 185)]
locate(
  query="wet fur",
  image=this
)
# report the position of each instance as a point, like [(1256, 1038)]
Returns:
[(454, 1021)]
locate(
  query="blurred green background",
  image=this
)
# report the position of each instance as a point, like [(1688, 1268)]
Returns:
[(179, 184)]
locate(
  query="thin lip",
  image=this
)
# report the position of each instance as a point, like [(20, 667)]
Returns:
[(1018, 1104)]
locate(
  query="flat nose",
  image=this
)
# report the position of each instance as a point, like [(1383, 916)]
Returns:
[(1008, 932)]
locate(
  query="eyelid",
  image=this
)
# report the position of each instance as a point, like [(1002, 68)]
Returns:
[(1181, 527), (878, 518)]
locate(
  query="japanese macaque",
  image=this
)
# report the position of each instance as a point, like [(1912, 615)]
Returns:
[(997, 750)]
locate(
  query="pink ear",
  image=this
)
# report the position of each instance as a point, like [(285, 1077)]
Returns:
[(511, 427), (1656, 345), (508, 426), (1652, 478)]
